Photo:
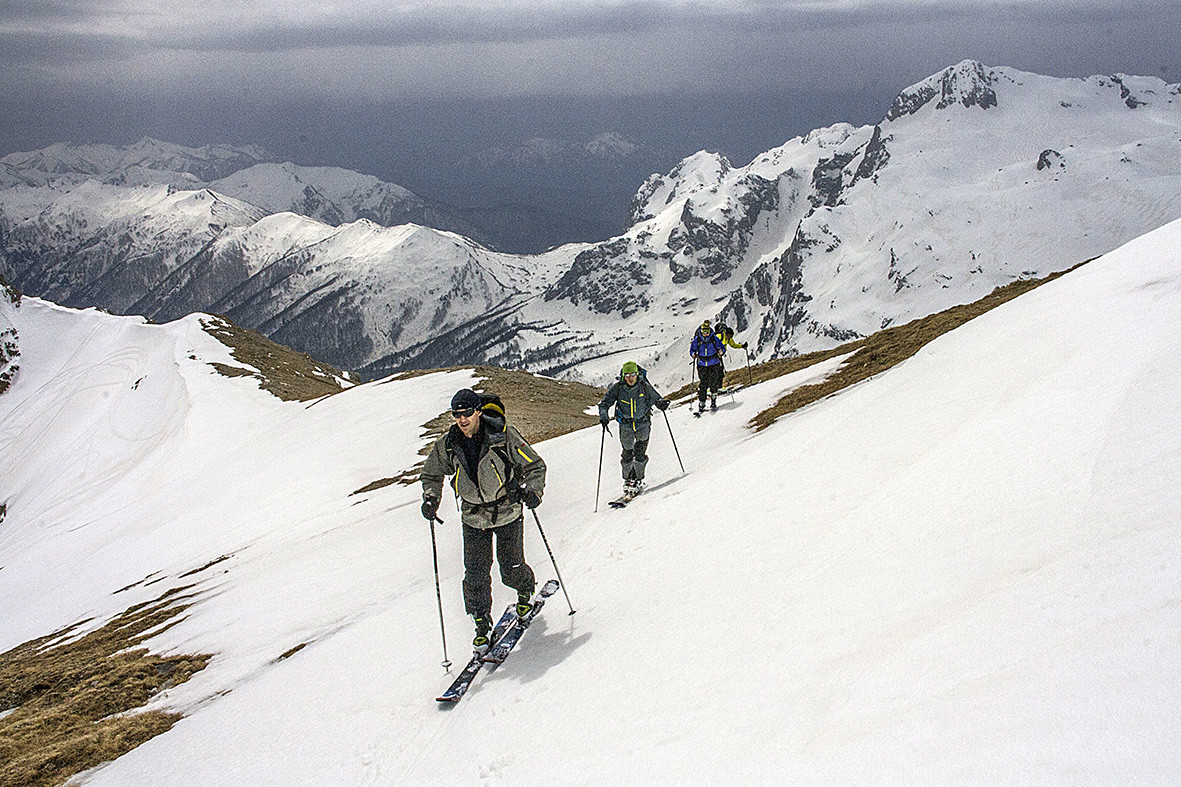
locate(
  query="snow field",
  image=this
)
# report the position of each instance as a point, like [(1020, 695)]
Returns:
[(964, 569)]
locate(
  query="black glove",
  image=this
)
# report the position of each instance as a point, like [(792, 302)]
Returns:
[(530, 498), (430, 507), (662, 403), (603, 421), (743, 345)]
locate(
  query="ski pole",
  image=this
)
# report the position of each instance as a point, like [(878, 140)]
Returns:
[(599, 482), (670, 436), (439, 593), (749, 379), (545, 541)]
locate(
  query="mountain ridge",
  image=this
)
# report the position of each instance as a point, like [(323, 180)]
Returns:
[(977, 176)]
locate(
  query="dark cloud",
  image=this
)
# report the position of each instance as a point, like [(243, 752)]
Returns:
[(405, 93), (565, 48), (48, 47)]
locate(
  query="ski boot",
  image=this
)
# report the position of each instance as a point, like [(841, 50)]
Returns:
[(524, 603), (713, 403), (482, 643)]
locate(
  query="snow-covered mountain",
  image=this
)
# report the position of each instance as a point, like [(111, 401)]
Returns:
[(973, 574), (608, 148), (975, 177), (107, 245), (355, 293), (146, 161), (338, 196), (329, 194)]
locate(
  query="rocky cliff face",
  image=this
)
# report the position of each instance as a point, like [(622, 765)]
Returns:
[(10, 298)]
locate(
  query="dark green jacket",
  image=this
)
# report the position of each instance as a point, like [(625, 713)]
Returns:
[(506, 461), (632, 402)]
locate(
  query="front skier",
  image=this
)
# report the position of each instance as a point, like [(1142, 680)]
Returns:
[(633, 397), (495, 471)]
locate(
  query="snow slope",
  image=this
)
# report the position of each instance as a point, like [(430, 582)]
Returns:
[(965, 569)]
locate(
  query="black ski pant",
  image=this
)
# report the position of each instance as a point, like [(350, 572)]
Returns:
[(710, 378), (477, 564)]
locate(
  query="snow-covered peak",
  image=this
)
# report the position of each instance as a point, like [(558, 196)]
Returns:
[(611, 144), (608, 147), (131, 163), (277, 186), (968, 83), (973, 85), (703, 171)]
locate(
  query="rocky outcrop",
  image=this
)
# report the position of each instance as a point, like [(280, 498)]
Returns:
[(967, 84), (1050, 159), (606, 278), (707, 248), (10, 297)]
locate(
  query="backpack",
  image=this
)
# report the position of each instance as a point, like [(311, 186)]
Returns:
[(490, 403)]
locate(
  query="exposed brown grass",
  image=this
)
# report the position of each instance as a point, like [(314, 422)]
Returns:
[(889, 347), (539, 407), (286, 373), (769, 370), (71, 699)]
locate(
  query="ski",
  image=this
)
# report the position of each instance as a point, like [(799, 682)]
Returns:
[(505, 644), (457, 689), (626, 498)]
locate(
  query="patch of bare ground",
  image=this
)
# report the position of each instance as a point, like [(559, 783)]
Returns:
[(67, 702), (540, 408), (769, 370), (286, 373), (885, 349)]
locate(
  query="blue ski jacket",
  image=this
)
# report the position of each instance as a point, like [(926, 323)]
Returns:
[(708, 349)]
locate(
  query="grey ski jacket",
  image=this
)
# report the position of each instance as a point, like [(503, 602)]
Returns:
[(506, 463)]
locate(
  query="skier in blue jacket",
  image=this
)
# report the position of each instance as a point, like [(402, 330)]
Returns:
[(633, 397), (707, 349)]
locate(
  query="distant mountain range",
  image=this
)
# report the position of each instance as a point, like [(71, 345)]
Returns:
[(332, 195), (521, 200), (976, 176)]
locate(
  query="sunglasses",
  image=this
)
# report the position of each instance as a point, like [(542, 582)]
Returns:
[(468, 413)]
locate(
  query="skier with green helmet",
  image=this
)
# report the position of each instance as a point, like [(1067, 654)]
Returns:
[(633, 397)]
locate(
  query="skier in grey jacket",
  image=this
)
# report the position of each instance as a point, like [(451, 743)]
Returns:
[(633, 397), (495, 470)]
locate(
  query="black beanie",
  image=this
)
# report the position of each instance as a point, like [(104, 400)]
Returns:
[(465, 399)]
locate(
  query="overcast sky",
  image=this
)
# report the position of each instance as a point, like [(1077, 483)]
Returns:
[(345, 83)]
